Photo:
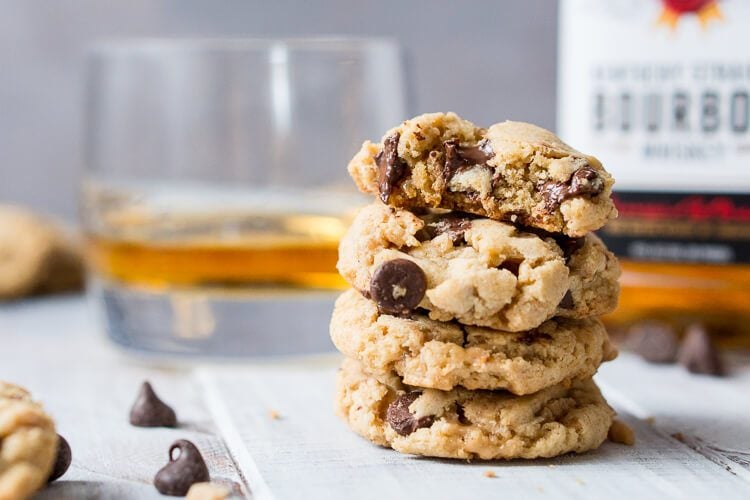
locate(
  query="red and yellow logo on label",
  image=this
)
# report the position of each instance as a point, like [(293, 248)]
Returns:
[(705, 10)]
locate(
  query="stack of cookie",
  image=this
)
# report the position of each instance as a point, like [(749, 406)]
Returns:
[(471, 330)]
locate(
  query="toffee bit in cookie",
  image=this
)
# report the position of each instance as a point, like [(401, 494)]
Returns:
[(391, 168), (63, 458), (698, 353), (584, 182), (567, 301), (458, 157), (182, 471), (150, 411), (398, 286), (620, 432), (654, 341), (401, 419)]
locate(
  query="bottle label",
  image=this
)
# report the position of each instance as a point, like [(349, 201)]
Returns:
[(659, 90)]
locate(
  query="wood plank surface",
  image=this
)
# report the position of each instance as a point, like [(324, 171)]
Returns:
[(693, 434)]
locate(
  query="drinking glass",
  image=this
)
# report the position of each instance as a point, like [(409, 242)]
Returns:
[(216, 190)]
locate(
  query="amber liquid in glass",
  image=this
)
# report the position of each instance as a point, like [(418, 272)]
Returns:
[(221, 251)]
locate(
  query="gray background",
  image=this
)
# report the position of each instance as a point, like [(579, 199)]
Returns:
[(487, 60)]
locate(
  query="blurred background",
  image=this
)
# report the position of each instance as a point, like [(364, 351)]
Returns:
[(474, 58)]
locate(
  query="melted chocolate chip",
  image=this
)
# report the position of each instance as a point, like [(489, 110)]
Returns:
[(401, 419), (568, 245), (532, 336), (150, 411), (458, 157), (584, 182), (454, 224), (63, 457), (654, 341), (182, 471), (698, 353), (391, 168), (567, 301), (398, 286)]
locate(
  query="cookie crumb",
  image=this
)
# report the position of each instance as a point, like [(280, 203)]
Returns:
[(207, 491), (552, 466), (274, 415), (650, 420), (679, 437), (540, 489), (620, 432), (490, 474), (580, 481)]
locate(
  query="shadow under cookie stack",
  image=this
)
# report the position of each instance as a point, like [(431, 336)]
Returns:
[(471, 330)]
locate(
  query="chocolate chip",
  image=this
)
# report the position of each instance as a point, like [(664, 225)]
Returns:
[(584, 182), (698, 353), (511, 265), (391, 168), (532, 336), (569, 246), (567, 301), (654, 341), (397, 286), (182, 471), (462, 415), (62, 459), (454, 224), (401, 419), (150, 411), (458, 157)]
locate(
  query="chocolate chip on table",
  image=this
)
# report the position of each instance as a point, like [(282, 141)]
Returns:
[(457, 156), (150, 411), (654, 341), (391, 168), (63, 457), (401, 419), (567, 301), (182, 471), (584, 182), (698, 353), (398, 286)]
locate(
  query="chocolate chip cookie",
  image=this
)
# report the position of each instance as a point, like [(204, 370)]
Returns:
[(473, 424), (35, 257), (439, 355), (28, 444), (477, 271), (511, 171)]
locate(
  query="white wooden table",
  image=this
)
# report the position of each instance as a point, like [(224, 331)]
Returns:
[(693, 432)]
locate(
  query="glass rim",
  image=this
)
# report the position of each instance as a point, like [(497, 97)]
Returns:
[(335, 43)]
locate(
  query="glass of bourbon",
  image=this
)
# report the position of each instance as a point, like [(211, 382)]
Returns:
[(216, 189)]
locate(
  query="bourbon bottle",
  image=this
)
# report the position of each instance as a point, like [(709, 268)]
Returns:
[(659, 90)]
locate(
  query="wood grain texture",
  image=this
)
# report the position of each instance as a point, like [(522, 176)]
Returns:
[(693, 435)]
